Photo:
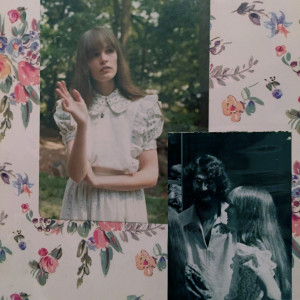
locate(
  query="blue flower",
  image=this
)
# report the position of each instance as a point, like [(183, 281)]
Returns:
[(34, 46), (277, 24), (14, 47), (23, 185), (296, 192), (3, 44), (277, 93), (22, 245)]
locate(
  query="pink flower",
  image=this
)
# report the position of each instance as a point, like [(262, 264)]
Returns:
[(43, 252), (110, 226), (34, 25), (15, 297), (28, 74), (21, 94), (296, 167), (25, 207), (48, 264), (99, 238), (13, 15), (280, 50)]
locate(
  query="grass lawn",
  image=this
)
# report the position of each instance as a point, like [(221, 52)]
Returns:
[(52, 190)]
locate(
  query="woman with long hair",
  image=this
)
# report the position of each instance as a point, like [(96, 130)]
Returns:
[(260, 265), (109, 128)]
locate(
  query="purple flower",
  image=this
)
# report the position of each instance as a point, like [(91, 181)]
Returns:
[(277, 93), (35, 220), (298, 73), (5, 178), (277, 24), (254, 18), (22, 245), (293, 64), (3, 44), (34, 46), (23, 185)]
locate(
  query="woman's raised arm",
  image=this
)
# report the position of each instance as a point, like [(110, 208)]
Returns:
[(145, 177), (76, 149)]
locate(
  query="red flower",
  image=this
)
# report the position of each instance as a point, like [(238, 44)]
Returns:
[(43, 252), (15, 297), (280, 50), (28, 74), (21, 94), (48, 264), (13, 15), (110, 226), (296, 167), (25, 207), (99, 238), (145, 262)]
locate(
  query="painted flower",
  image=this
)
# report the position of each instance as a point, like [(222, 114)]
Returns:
[(22, 245), (21, 95), (277, 24), (277, 93), (23, 185), (296, 192), (293, 64), (145, 262), (3, 44), (25, 207), (15, 47), (5, 67), (13, 15), (15, 297), (28, 74), (43, 252), (280, 50), (110, 226), (48, 264), (5, 178), (100, 239), (296, 167), (232, 107)]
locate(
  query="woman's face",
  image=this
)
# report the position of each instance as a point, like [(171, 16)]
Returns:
[(232, 217), (103, 65)]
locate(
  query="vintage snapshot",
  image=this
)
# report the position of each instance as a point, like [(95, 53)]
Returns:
[(110, 100), (229, 215)]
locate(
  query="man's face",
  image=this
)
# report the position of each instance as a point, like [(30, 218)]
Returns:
[(204, 189)]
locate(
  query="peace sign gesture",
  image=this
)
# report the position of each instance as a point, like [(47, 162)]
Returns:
[(76, 107)]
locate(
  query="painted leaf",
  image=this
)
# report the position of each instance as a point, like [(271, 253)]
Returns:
[(123, 236), (257, 101), (284, 61), (26, 110), (296, 248), (221, 82), (42, 277), (113, 240), (80, 248), (106, 256), (56, 253), (269, 86), (72, 227), (33, 94), (79, 282), (157, 249), (84, 229), (7, 250), (288, 56), (6, 85), (3, 104), (246, 92)]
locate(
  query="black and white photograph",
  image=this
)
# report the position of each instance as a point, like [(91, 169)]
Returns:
[(229, 215)]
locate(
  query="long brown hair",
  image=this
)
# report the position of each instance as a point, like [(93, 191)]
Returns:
[(258, 226), (94, 40)]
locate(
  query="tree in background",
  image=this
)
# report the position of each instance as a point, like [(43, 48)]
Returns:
[(165, 41)]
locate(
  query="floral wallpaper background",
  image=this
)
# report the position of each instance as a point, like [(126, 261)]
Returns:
[(51, 259), (254, 86), (255, 80)]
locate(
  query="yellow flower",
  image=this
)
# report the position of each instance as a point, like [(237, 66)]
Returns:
[(5, 67)]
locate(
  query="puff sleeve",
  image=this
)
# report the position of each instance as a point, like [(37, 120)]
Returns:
[(148, 125), (65, 122)]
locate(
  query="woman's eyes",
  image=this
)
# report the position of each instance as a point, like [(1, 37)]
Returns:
[(109, 50)]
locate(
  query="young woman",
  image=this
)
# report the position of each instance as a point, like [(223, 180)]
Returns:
[(109, 129), (260, 266)]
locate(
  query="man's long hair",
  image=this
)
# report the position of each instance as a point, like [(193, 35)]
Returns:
[(214, 169)]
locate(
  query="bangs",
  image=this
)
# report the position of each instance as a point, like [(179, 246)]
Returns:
[(96, 39)]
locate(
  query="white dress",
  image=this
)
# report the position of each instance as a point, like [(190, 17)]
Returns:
[(249, 263), (119, 130)]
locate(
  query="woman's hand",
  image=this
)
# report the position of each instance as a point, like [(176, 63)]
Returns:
[(77, 108)]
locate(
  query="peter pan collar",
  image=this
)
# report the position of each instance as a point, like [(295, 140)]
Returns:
[(115, 101)]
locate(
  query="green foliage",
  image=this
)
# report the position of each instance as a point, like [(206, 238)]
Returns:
[(167, 48)]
